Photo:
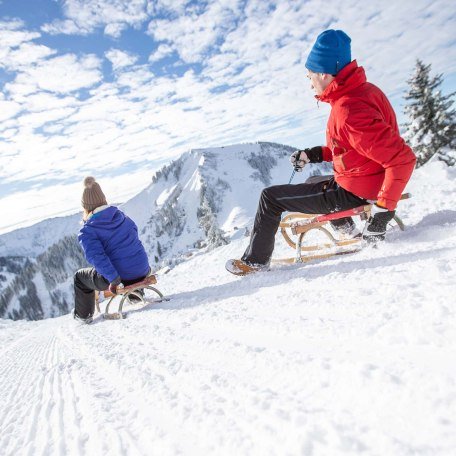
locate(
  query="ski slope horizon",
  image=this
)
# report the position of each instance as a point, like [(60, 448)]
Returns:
[(351, 355), (109, 185)]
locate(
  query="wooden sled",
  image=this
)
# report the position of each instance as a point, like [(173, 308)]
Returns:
[(125, 293), (295, 226)]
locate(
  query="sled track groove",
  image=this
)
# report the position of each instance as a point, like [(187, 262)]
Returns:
[(132, 421), (198, 390), (182, 389), (25, 370)]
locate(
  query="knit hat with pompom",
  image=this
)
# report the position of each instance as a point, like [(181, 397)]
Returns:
[(92, 196)]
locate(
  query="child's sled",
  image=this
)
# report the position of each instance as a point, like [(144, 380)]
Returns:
[(133, 294), (295, 226)]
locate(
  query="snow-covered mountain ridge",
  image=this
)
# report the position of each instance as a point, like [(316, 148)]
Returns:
[(204, 199)]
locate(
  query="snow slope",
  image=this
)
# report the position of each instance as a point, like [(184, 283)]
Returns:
[(353, 355)]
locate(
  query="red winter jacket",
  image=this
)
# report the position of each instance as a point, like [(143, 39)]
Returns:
[(370, 158)]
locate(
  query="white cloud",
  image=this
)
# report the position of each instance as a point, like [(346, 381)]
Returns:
[(42, 101), (162, 51), (66, 27), (120, 59), (25, 55), (115, 29), (196, 32), (8, 109), (176, 7), (60, 74), (17, 47), (85, 16), (12, 35)]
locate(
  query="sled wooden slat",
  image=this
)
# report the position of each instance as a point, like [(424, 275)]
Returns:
[(149, 280), (306, 259)]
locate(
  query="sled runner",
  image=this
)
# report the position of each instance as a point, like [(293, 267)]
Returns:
[(133, 293), (296, 226)]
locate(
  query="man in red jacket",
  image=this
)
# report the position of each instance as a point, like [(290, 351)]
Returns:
[(370, 159)]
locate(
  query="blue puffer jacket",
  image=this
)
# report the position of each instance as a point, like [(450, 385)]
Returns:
[(111, 244)]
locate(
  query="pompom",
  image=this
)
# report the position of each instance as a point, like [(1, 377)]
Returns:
[(89, 181)]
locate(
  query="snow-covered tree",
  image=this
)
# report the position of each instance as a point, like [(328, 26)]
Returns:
[(208, 221), (431, 126)]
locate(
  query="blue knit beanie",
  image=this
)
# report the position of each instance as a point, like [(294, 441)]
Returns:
[(330, 53)]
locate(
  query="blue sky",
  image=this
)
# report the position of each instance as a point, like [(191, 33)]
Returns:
[(117, 88)]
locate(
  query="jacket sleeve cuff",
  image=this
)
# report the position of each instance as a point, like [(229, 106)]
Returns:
[(112, 277), (314, 154), (116, 281), (326, 154), (388, 204)]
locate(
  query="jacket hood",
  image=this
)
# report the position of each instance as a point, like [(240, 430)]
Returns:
[(346, 80), (111, 216)]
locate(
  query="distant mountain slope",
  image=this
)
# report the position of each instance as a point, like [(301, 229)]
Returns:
[(42, 287), (204, 199), (36, 239)]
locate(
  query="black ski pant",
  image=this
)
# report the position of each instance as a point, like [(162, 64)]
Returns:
[(86, 281), (318, 195)]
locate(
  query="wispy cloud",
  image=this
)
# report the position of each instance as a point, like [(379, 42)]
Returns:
[(85, 16), (61, 74), (120, 59), (162, 51), (199, 30)]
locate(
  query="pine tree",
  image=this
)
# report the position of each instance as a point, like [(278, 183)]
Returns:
[(431, 129), (208, 222)]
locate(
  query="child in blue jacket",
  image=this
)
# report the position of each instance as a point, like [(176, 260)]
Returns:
[(111, 244)]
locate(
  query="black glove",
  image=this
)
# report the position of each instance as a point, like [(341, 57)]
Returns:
[(300, 158), (375, 227), (114, 284), (315, 154)]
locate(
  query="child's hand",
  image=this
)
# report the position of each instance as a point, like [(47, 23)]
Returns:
[(114, 284)]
